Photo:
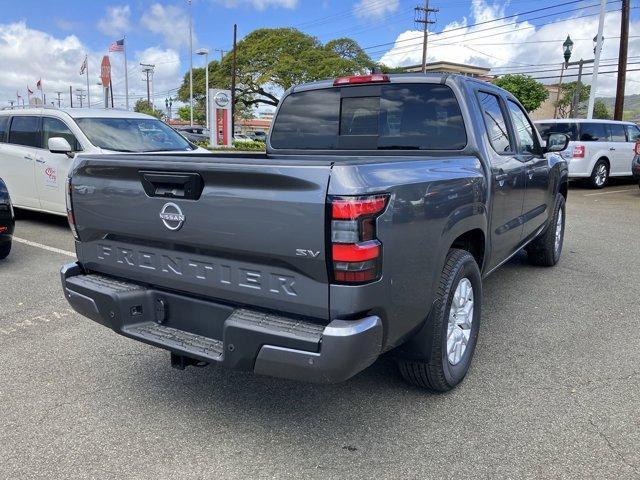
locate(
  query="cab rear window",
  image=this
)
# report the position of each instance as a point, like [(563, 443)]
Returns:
[(387, 117)]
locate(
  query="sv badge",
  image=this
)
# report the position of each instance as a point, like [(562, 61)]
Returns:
[(301, 252)]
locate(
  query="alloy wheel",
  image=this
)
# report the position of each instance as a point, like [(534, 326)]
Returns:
[(460, 321)]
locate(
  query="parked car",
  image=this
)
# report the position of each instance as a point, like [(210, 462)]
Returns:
[(635, 164), (598, 149), (196, 134), (7, 221), (368, 225), (239, 137), (37, 147), (259, 136)]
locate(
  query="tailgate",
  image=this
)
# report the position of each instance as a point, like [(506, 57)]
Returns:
[(247, 231)]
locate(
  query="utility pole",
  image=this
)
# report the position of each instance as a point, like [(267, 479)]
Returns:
[(596, 63), (59, 93), (190, 65), (70, 96), (222, 52), (233, 86), (422, 16), (80, 95), (622, 60), (148, 69)]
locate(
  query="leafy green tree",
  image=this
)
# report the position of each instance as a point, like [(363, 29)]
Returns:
[(600, 111), (198, 114), (567, 91), (270, 60), (143, 106), (349, 49), (529, 92)]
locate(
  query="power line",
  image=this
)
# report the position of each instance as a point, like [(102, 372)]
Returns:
[(407, 48), (494, 20)]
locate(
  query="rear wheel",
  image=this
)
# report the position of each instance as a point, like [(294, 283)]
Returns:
[(451, 331), (600, 174), (5, 248), (545, 250)]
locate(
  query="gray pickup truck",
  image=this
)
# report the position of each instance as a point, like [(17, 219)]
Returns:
[(367, 227)]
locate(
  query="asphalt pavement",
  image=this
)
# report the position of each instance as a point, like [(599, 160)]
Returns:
[(553, 392)]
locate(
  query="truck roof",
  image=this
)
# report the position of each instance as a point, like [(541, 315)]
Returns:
[(398, 78)]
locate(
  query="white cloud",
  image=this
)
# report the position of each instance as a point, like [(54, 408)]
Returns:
[(169, 21), (522, 47), (116, 22), (375, 9), (259, 4), (33, 54)]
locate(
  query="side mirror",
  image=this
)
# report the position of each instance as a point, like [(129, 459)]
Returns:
[(59, 145), (557, 142)]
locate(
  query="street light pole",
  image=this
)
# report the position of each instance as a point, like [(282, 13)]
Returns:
[(205, 52), (190, 65), (596, 63), (568, 48)]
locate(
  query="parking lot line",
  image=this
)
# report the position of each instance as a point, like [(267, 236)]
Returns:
[(608, 192), (44, 247)]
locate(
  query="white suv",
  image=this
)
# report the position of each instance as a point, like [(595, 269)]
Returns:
[(38, 145), (598, 148)]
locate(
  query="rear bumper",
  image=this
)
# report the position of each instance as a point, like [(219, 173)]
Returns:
[(267, 344)]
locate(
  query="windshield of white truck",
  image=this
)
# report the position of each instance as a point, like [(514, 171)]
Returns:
[(395, 117), (132, 135)]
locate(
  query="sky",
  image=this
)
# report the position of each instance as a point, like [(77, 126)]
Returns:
[(49, 39)]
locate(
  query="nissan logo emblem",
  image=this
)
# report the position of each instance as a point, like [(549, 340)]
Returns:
[(221, 99), (172, 216)]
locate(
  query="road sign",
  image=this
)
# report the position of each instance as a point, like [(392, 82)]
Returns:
[(105, 71)]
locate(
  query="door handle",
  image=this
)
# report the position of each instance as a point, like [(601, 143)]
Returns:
[(28, 157), (40, 160), (612, 148), (500, 178)]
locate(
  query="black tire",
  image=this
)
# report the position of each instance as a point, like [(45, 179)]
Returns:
[(543, 251), (600, 168), (5, 248), (435, 372)]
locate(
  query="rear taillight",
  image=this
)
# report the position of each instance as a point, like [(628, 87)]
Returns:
[(636, 147), (578, 151), (356, 253), (70, 216)]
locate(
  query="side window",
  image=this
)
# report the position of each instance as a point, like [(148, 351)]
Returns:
[(617, 132), (523, 129), (633, 132), (495, 122), (593, 132), (546, 129), (24, 131), (4, 126), (53, 127)]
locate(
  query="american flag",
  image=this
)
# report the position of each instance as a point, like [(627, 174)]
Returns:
[(117, 46), (83, 67)]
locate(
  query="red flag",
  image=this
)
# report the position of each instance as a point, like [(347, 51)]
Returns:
[(39, 84)]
